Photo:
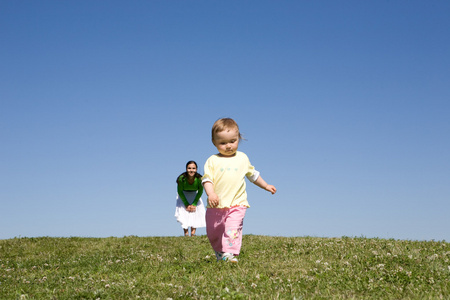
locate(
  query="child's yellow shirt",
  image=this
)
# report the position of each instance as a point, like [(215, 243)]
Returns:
[(227, 174)]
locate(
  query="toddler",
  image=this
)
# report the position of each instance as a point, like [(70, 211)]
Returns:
[(224, 184)]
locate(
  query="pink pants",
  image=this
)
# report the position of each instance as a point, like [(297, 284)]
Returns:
[(224, 228)]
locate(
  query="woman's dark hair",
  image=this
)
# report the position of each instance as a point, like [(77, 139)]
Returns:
[(197, 175)]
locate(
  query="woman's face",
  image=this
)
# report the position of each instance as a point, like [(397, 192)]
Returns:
[(191, 169)]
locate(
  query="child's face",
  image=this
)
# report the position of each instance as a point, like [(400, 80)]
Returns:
[(191, 170), (227, 142)]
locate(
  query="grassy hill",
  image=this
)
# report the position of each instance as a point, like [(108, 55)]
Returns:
[(185, 268)]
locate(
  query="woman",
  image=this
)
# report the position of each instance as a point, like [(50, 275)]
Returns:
[(190, 211)]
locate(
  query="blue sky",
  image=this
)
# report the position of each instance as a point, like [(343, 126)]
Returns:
[(345, 106)]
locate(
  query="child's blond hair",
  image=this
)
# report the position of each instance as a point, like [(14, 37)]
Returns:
[(224, 124)]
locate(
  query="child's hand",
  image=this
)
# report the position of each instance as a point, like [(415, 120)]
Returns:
[(191, 208), (213, 200), (271, 188), (263, 184)]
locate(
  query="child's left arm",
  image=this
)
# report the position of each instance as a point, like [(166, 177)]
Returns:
[(263, 184)]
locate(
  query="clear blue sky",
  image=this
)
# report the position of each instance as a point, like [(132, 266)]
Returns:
[(345, 106)]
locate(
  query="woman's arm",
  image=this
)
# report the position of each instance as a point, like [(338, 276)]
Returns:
[(181, 194), (199, 192)]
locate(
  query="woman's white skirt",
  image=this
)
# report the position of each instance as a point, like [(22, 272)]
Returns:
[(190, 219)]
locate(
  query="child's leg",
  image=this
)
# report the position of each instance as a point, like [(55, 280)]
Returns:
[(215, 226), (232, 236)]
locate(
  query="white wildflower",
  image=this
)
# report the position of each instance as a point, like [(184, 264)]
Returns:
[(433, 257)]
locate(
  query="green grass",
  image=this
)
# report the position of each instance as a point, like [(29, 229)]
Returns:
[(185, 268)]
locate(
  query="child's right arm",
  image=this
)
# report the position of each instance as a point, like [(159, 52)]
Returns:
[(213, 199)]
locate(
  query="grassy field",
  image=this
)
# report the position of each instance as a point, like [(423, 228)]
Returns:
[(185, 268)]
